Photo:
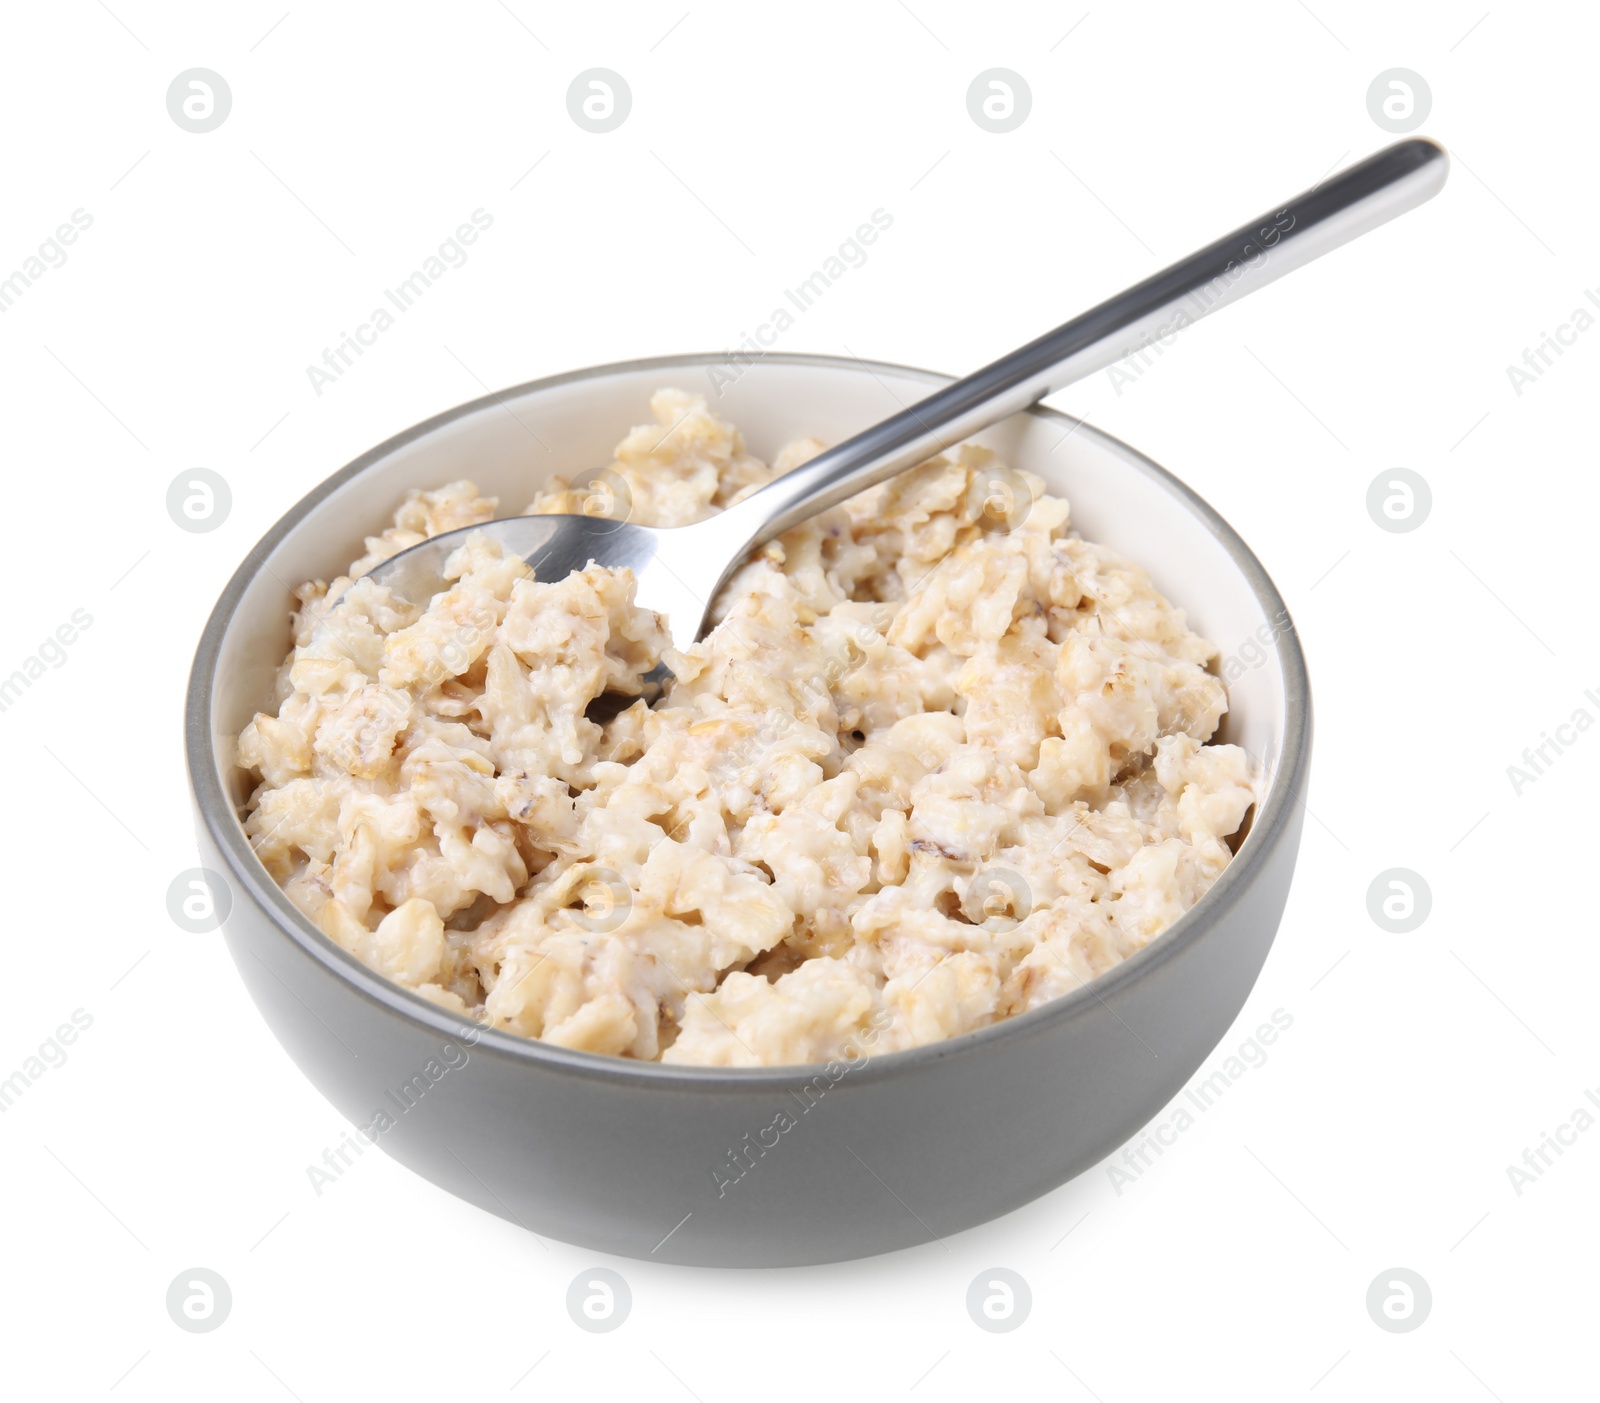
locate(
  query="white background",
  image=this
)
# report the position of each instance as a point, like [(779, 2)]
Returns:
[(219, 266)]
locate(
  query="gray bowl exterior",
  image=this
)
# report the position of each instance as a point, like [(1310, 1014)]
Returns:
[(761, 1167)]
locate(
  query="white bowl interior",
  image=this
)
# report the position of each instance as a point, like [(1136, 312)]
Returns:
[(510, 447)]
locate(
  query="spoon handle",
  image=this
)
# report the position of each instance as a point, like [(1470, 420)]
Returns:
[(1368, 194)]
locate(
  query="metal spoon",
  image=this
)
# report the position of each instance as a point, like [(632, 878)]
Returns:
[(679, 569)]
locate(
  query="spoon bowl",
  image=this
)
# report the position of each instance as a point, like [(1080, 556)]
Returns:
[(557, 544)]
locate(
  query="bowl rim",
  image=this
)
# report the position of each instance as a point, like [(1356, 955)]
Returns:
[(225, 830)]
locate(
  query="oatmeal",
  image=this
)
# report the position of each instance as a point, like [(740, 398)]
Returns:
[(922, 775)]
